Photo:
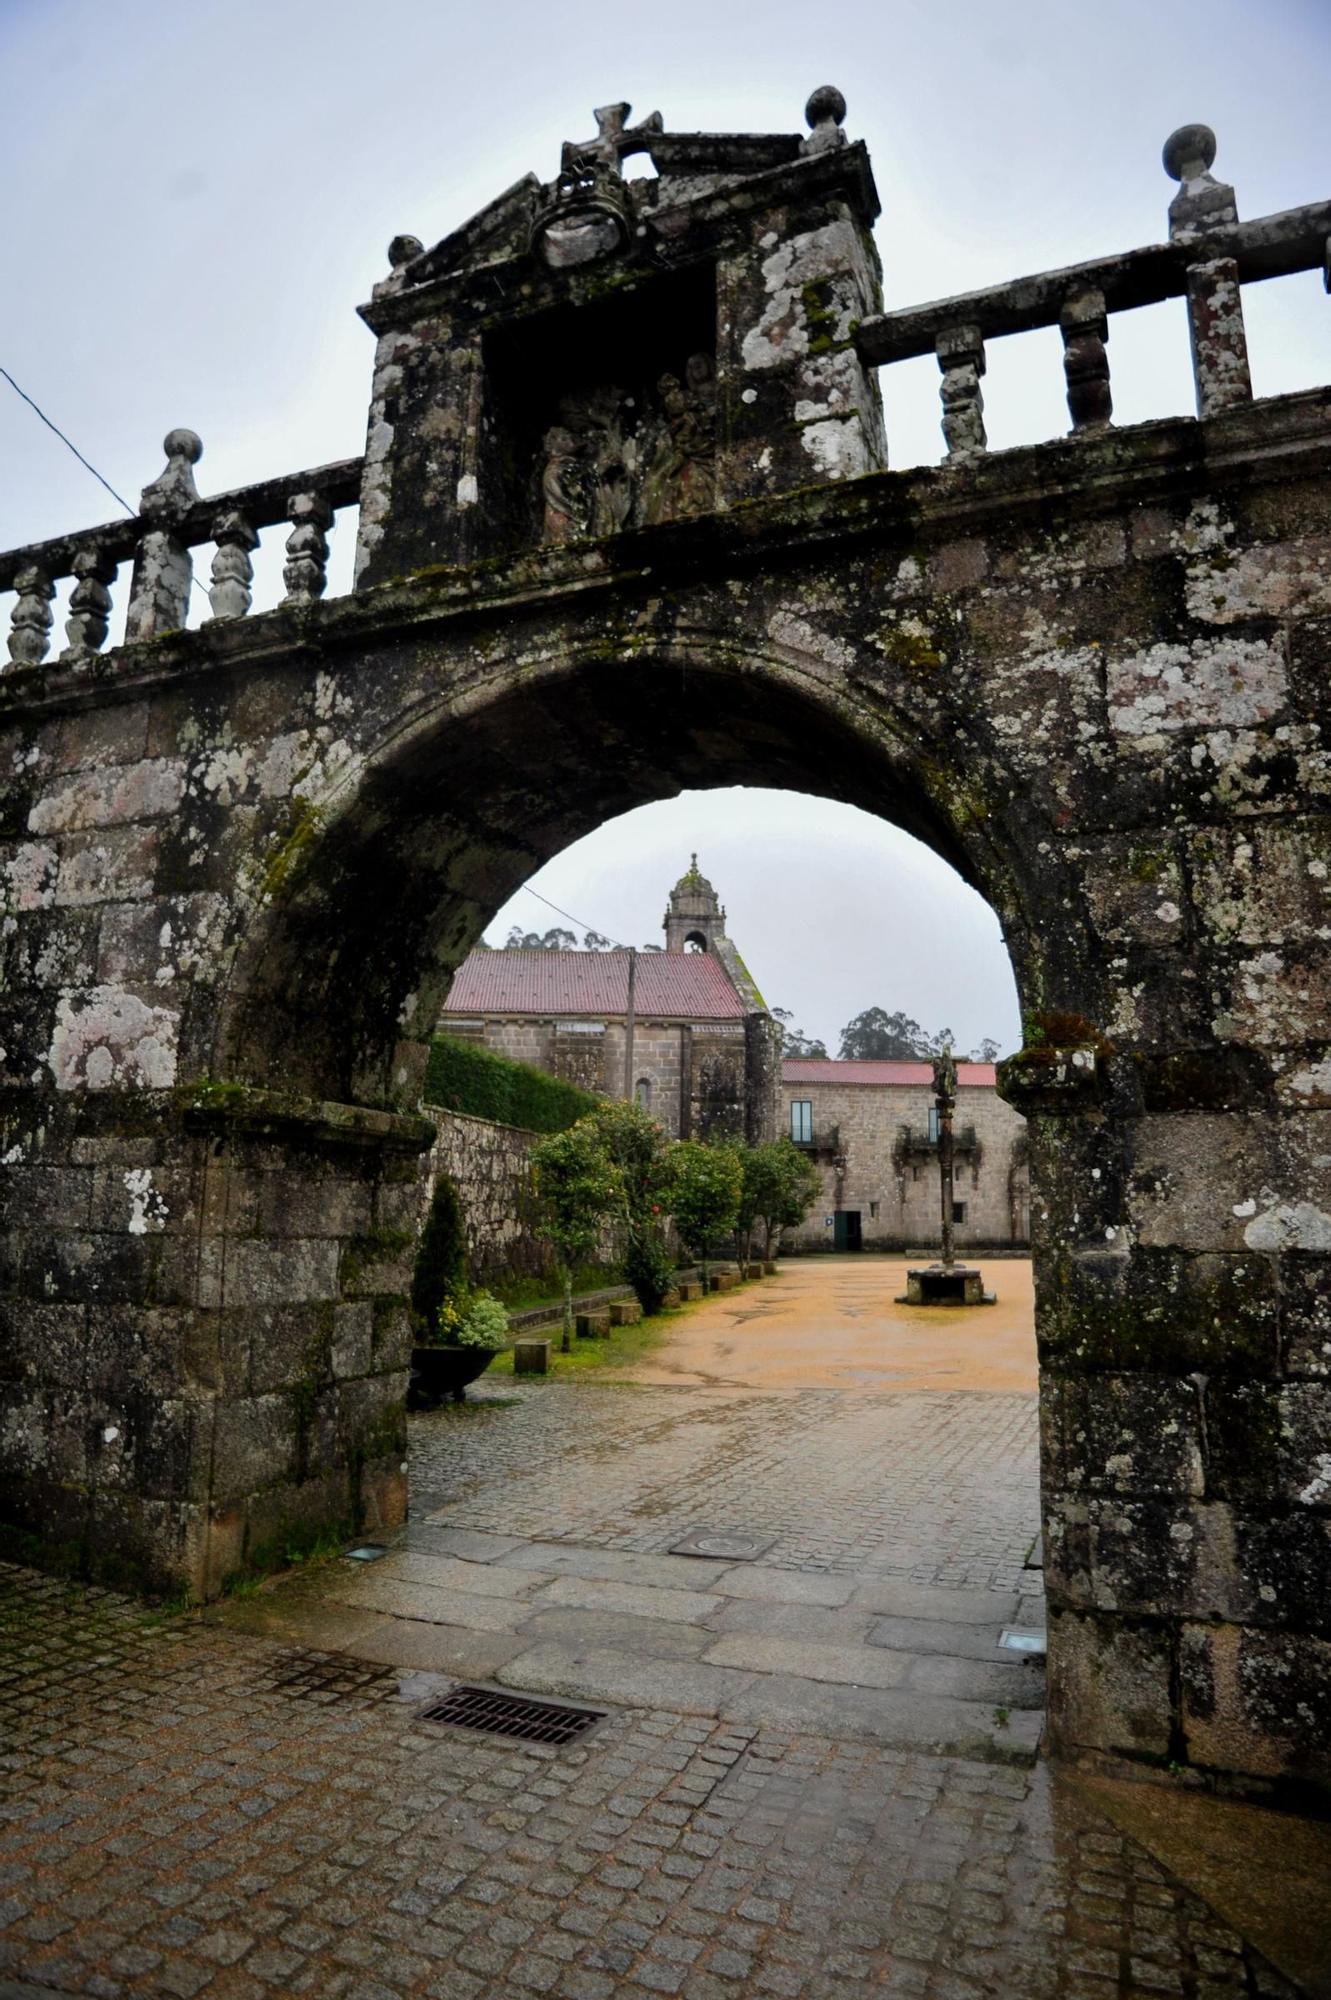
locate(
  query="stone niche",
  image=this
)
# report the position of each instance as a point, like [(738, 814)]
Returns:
[(698, 351), (603, 417)]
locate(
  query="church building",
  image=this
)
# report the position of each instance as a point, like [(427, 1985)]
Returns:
[(686, 1033)]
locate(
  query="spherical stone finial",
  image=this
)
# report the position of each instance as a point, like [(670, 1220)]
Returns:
[(183, 444), (826, 103), (403, 249), (1192, 146)]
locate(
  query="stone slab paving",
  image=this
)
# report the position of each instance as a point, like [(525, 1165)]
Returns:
[(895, 1529), (190, 1809), (673, 1633)]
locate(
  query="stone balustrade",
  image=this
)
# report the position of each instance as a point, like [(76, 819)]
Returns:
[(1209, 257), (173, 520)]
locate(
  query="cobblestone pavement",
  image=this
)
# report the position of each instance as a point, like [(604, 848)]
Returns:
[(188, 1809), (937, 1486)]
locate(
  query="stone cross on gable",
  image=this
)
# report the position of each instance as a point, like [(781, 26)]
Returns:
[(614, 141)]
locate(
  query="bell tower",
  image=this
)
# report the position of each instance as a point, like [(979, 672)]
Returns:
[(694, 919)]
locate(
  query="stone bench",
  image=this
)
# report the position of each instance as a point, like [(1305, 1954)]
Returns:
[(769, 1268), (724, 1281), (625, 1312), (690, 1288), (755, 1270), (593, 1325), (531, 1355)]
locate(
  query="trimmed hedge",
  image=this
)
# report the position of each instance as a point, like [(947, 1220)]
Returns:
[(481, 1084)]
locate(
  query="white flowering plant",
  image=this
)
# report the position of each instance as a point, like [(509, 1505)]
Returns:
[(481, 1322)]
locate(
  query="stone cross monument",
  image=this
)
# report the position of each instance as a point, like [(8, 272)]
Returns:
[(947, 1283)]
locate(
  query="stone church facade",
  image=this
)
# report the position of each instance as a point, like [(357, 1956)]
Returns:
[(700, 1050), (870, 1128)]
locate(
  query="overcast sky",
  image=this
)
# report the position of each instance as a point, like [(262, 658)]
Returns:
[(198, 194)]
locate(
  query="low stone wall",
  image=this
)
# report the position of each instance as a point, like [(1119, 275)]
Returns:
[(490, 1166)]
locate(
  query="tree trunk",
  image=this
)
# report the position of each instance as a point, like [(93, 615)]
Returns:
[(566, 1344)]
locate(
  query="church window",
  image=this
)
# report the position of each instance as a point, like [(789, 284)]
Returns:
[(642, 1093)]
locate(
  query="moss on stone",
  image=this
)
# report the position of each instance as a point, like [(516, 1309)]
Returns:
[(305, 822), (372, 1246)]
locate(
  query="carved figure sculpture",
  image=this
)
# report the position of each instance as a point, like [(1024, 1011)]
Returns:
[(610, 461), (565, 495)]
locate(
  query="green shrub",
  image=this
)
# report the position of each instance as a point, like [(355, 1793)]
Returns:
[(481, 1084), (484, 1323), (441, 1260), (649, 1268)]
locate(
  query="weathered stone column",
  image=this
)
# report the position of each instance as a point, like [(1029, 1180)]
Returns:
[(1200, 212), (798, 405), (163, 568)]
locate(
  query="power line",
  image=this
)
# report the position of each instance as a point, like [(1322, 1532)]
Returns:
[(119, 498), (584, 927), (87, 463)]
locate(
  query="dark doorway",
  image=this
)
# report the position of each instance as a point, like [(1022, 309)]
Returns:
[(846, 1230)]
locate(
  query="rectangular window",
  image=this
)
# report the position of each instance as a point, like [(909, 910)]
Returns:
[(958, 1211), (801, 1121), (933, 1124), (873, 1211)]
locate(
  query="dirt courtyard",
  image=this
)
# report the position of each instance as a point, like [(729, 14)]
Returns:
[(830, 1322)]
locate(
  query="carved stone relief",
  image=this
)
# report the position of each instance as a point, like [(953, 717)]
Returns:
[(615, 460)]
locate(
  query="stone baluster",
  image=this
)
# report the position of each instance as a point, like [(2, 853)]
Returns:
[(1084, 324), (960, 351), (89, 603), (1199, 215), (229, 593), (30, 627), (306, 571), (163, 568)]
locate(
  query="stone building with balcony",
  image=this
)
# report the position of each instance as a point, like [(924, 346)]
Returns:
[(871, 1130), (690, 1038)]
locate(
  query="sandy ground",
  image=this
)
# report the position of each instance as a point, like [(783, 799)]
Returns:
[(833, 1323)]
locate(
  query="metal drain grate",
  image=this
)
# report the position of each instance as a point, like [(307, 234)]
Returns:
[(513, 1715)]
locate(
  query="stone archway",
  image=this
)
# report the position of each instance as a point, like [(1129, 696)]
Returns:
[(336, 983), (241, 862)]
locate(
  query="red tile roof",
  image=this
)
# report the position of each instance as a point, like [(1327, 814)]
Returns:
[(670, 985), (806, 1069)]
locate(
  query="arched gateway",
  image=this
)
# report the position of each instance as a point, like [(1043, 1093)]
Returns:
[(625, 527)]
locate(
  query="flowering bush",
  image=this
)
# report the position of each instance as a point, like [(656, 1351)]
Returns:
[(483, 1322), (465, 1319)]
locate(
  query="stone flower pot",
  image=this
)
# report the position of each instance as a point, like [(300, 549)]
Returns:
[(439, 1372)]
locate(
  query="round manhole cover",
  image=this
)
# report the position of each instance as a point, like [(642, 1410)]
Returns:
[(727, 1547)]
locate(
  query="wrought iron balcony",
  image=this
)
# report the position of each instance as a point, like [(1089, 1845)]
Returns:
[(826, 1141)]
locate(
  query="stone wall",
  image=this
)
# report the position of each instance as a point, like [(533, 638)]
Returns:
[(885, 1168), (490, 1166)]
